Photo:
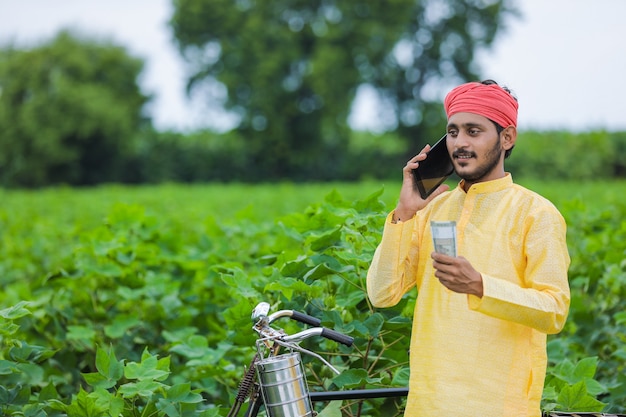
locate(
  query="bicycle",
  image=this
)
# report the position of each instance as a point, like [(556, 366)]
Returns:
[(276, 380)]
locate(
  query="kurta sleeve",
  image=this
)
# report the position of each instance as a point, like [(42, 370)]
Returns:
[(392, 272), (542, 301)]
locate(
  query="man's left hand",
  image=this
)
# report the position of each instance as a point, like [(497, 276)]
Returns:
[(457, 274)]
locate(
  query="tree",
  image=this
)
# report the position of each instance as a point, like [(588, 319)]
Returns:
[(68, 110), (291, 68)]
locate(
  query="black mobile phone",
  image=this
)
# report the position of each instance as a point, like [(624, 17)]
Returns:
[(433, 170)]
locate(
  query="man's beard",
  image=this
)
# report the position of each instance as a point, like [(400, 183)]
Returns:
[(483, 170)]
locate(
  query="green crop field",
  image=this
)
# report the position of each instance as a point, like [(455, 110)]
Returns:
[(87, 207), (132, 301)]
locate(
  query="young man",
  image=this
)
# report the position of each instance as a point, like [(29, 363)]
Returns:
[(478, 343)]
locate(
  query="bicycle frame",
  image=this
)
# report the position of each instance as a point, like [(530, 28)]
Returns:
[(359, 394)]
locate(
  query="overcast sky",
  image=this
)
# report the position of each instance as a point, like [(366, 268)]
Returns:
[(564, 59)]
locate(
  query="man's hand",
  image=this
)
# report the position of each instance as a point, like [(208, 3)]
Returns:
[(410, 201), (457, 274)]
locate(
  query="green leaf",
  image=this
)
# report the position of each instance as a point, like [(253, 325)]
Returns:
[(97, 380), (25, 353), (82, 333), (401, 377), (351, 378), (374, 323), (108, 365), (179, 392), (371, 203), (108, 401), (8, 367), (150, 368), (110, 370), (33, 410), (48, 392), (333, 409), (350, 299), (20, 394), (83, 405), (289, 286), (585, 368), (17, 395), (8, 328), (194, 347), (398, 323), (565, 371), (16, 311), (318, 272), (336, 322), (326, 240), (167, 407), (575, 398), (182, 393), (211, 412), (549, 393), (295, 268), (120, 325), (4, 396), (594, 387), (144, 388), (239, 281)]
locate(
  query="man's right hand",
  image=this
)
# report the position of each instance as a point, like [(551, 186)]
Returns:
[(410, 201)]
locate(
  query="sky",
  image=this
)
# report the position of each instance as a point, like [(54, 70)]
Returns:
[(565, 60)]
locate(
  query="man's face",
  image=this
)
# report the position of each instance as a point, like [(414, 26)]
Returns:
[(475, 148)]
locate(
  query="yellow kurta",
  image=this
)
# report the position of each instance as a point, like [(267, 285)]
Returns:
[(475, 356)]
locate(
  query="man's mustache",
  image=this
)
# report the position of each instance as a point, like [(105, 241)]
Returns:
[(457, 154)]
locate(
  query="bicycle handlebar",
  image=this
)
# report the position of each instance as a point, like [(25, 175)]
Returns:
[(313, 321), (319, 331), (306, 319), (337, 337), (262, 318), (294, 315), (271, 339), (261, 312)]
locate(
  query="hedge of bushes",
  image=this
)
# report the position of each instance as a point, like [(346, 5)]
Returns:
[(207, 156)]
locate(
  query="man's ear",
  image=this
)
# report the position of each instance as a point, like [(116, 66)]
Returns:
[(509, 136)]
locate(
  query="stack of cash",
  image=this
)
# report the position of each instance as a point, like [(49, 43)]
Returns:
[(444, 237)]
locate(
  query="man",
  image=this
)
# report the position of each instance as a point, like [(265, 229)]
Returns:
[(478, 343)]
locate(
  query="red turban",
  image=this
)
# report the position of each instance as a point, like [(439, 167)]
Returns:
[(490, 101)]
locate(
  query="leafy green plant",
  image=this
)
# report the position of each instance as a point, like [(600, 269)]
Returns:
[(596, 326), (28, 380), (168, 289), (133, 389), (571, 387)]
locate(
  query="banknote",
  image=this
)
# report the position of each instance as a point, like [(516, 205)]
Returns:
[(444, 237)]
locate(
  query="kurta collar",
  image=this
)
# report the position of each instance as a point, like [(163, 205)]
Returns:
[(489, 186)]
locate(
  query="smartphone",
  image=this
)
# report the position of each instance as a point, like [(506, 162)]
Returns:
[(433, 170)]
